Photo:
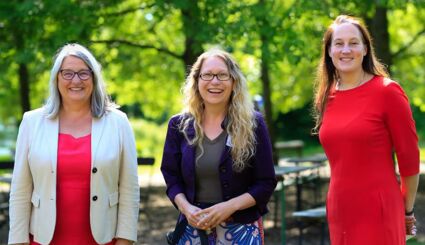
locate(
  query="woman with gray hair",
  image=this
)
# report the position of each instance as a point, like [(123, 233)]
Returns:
[(75, 176)]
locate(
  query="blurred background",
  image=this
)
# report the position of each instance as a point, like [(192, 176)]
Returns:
[(146, 48)]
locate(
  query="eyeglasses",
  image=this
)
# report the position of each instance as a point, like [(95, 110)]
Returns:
[(210, 76), (69, 74)]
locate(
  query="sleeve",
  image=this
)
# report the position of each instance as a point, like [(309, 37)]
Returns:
[(128, 209), (21, 188), (171, 161), (263, 165), (399, 121)]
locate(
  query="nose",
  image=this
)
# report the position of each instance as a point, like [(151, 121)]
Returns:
[(346, 49), (215, 80), (76, 79)]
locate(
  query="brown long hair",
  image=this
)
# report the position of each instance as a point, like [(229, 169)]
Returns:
[(326, 71)]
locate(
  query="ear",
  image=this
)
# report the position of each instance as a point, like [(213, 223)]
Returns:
[(365, 50)]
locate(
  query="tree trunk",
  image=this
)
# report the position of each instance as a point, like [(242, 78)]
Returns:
[(379, 30), (265, 80), (192, 23), (264, 76), (24, 83), (24, 88)]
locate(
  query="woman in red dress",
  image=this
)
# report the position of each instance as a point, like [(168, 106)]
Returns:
[(75, 175), (362, 117)]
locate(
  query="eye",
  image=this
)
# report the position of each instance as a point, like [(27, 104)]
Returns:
[(84, 74), (207, 76), (223, 76), (68, 73)]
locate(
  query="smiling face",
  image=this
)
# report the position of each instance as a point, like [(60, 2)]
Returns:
[(215, 92), (347, 48), (75, 90)]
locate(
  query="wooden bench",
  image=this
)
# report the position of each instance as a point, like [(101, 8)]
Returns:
[(6, 164), (308, 217), (311, 181), (295, 145)]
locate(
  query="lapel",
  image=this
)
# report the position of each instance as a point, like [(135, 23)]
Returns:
[(228, 146), (98, 125), (52, 132), (191, 149)]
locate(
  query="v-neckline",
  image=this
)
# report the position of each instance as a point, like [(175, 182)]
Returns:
[(75, 138), (216, 138)]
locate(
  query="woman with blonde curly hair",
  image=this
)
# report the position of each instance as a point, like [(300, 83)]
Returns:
[(217, 160)]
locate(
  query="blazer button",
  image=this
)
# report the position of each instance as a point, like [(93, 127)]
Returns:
[(94, 170), (223, 170), (227, 197), (225, 185), (94, 198)]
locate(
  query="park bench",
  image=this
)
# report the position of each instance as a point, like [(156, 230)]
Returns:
[(309, 217)]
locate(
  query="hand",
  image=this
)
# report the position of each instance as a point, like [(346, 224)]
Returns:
[(410, 225), (121, 241), (214, 215), (189, 211)]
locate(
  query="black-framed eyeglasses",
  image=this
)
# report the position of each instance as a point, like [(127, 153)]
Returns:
[(210, 76), (82, 74)]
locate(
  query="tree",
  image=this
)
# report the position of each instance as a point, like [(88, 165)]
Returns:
[(31, 31)]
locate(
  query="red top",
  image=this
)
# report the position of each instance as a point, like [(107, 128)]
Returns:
[(73, 191), (360, 129)]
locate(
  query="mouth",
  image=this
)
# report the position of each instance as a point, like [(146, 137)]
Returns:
[(76, 89), (346, 59), (215, 91)]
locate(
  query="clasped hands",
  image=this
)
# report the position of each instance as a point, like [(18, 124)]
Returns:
[(206, 219)]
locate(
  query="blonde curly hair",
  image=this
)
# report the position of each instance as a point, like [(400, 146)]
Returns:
[(240, 112)]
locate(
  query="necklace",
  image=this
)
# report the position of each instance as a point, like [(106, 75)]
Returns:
[(360, 82)]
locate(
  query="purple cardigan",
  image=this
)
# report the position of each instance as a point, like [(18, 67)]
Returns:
[(178, 169)]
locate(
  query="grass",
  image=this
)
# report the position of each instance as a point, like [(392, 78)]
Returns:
[(413, 241)]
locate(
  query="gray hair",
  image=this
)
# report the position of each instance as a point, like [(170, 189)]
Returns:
[(100, 100)]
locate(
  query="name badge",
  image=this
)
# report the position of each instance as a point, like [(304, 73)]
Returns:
[(229, 141)]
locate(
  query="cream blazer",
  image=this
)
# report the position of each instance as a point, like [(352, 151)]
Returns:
[(114, 189)]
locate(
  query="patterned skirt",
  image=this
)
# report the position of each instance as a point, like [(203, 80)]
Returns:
[(228, 233)]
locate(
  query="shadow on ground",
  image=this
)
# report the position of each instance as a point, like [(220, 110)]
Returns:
[(161, 215), (158, 216)]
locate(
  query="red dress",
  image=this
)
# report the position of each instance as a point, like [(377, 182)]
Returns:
[(360, 129), (73, 192)]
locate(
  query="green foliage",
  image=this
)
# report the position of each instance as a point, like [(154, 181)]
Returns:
[(408, 63), (414, 241), (145, 47), (30, 32), (149, 138)]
